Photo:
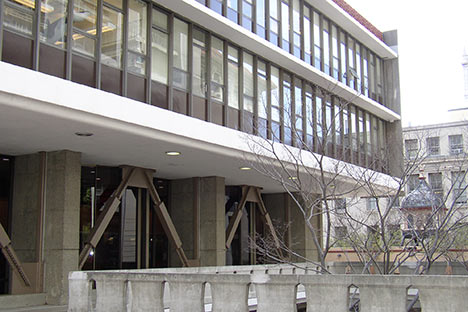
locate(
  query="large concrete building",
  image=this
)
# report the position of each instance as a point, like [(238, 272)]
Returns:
[(94, 91)]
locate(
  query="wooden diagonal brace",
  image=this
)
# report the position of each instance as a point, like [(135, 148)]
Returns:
[(267, 220), (165, 219), (11, 257), (104, 219), (235, 219)]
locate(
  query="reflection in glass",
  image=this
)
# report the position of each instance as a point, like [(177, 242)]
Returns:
[(137, 26), (84, 15), (262, 97), (20, 19), (233, 77), (285, 24), (199, 63), (217, 72), (317, 45), (248, 82), (111, 44), (54, 22), (83, 44), (159, 42), (136, 63), (180, 54)]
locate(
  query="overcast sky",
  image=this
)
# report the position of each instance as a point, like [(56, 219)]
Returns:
[(432, 36)]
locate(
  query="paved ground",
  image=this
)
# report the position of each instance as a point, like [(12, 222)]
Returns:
[(44, 308)]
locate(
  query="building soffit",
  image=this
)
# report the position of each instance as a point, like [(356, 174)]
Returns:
[(46, 115), (209, 19)]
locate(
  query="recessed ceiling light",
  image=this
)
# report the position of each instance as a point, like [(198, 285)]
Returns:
[(173, 153), (245, 168), (5, 159), (84, 134)]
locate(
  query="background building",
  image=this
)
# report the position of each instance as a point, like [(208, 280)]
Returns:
[(177, 87)]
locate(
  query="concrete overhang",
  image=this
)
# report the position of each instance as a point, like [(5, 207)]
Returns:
[(39, 112), (211, 20)]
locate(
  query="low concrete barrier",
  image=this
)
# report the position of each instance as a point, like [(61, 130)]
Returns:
[(261, 288)]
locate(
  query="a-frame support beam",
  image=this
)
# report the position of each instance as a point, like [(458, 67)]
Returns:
[(11, 257), (139, 177), (251, 194)]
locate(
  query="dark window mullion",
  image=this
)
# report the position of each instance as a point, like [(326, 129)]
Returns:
[(269, 120), (281, 103), (149, 38), (255, 94), (98, 43), (301, 27), (36, 30), (208, 38), (190, 68), (170, 61), (2, 6), (226, 82), (125, 50), (241, 88), (314, 118), (68, 70)]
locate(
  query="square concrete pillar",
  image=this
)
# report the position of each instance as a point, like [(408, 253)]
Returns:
[(61, 217), (197, 210), (289, 218)]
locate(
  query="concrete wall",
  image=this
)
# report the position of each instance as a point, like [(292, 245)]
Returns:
[(61, 217), (273, 289), (285, 214), (208, 193), (392, 100)]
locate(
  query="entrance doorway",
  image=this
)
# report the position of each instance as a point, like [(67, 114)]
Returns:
[(134, 237)]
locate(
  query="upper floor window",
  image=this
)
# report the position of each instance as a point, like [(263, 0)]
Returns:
[(459, 187), (435, 181), (433, 146), (340, 204), (372, 203), (411, 148), (456, 144), (413, 181)]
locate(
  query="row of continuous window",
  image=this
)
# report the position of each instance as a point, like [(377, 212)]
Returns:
[(298, 28), (140, 51), (413, 149)]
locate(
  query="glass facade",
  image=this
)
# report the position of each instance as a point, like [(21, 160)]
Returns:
[(146, 53)]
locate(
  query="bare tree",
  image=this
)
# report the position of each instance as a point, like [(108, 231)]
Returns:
[(359, 207)]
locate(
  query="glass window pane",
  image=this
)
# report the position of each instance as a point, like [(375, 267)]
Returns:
[(326, 47), (217, 71), (159, 64), (136, 63), (116, 3), (298, 103), (233, 77), (54, 22), (261, 12), (180, 45), (274, 9), (84, 15), (248, 82), (343, 56), (287, 111), (199, 63), (262, 97), (159, 19), (137, 26), (83, 44), (111, 49), (317, 46), (19, 20), (319, 117), (285, 25), (275, 100)]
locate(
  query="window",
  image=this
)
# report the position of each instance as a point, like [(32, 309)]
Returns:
[(435, 181), (317, 44), (456, 144), (275, 103), (84, 27), (112, 37), (340, 204), (433, 146), (326, 47), (341, 232), (19, 16), (54, 25), (307, 45), (159, 45), (180, 54), (335, 53), (232, 10), (287, 108), (411, 148), (296, 28), (285, 24), (372, 203), (247, 14), (217, 71), (199, 63), (233, 77), (459, 187), (137, 15), (274, 21), (262, 98), (260, 16), (413, 182), (298, 109), (248, 88)]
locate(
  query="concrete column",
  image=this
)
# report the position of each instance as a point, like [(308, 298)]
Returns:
[(207, 195), (285, 213), (61, 217)]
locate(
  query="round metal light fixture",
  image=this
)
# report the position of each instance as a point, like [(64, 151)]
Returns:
[(173, 153), (84, 134)]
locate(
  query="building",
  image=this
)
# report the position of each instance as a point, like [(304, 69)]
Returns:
[(124, 126), (440, 153)]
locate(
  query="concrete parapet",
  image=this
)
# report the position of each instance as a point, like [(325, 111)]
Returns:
[(188, 290)]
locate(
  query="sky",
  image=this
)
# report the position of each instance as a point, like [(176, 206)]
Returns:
[(432, 36)]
